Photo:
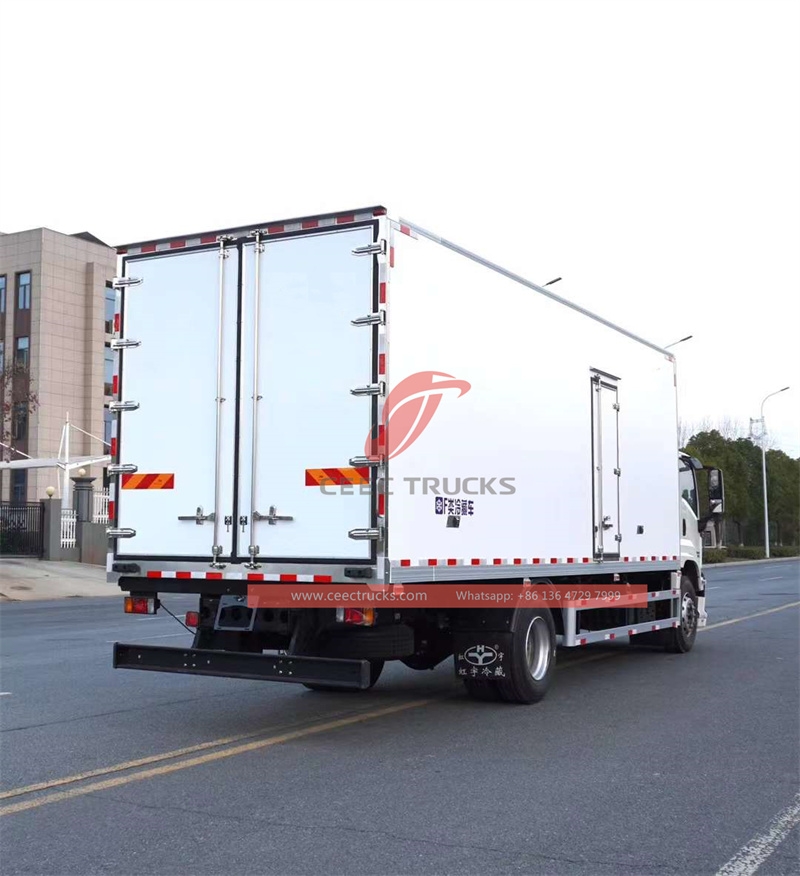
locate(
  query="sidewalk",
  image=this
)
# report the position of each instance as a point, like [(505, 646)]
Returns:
[(29, 579)]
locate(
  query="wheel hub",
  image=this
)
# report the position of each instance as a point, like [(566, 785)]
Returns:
[(538, 648)]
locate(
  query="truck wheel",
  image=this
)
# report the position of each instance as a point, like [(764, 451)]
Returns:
[(533, 657), (375, 669), (680, 639)]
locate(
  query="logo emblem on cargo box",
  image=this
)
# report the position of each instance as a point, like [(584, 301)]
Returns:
[(409, 407), (480, 655)]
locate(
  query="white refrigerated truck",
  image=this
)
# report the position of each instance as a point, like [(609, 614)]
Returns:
[(350, 400)]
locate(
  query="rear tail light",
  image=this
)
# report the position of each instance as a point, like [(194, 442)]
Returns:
[(141, 605), (360, 617), (192, 618)]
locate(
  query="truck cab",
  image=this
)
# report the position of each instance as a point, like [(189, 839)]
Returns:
[(693, 523)]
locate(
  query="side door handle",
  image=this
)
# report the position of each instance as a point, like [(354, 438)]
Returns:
[(198, 516), (273, 517)]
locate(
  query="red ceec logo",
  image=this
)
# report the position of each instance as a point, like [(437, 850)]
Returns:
[(409, 407)]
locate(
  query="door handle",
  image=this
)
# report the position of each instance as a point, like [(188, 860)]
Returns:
[(198, 516), (273, 517)]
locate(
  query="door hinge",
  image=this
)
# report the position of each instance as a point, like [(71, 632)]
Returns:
[(122, 468), (366, 534), (378, 318), (378, 248), (120, 533), (123, 282), (124, 344), (370, 389), (365, 461)]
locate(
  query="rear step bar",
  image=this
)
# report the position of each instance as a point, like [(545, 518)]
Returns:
[(353, 674)]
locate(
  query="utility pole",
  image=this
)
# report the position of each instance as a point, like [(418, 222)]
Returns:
[(763, 436)]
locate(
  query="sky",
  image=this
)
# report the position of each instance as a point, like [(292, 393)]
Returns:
[(646, 152)]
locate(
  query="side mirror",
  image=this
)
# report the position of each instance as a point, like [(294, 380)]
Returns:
[(716, 492)]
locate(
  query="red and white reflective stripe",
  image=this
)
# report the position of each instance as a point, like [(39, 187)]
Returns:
[(249, 576), (513, 561), (405, 229), (274, 228)]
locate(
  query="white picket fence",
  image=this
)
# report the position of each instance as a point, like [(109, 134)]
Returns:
[(100, 510), (69, 520)]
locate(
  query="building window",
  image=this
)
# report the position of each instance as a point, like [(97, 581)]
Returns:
[(19, 485), (2, 294), (108, 373), (19, 421), (22, 355), (24, 291), (111, 307)]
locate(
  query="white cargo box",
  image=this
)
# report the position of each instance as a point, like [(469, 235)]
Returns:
[(350, 397)]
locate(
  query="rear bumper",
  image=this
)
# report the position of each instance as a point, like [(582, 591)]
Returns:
[(354, 674)]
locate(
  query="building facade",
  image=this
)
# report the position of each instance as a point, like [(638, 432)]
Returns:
[(56, 322)]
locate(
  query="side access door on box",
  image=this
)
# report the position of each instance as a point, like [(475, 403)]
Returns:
[(605, 465), (237, 420)]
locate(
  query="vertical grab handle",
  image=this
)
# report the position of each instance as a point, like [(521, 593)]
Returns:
[(216, 548), (253, 548)]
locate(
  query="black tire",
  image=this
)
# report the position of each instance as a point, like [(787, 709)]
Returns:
[(532, 661), (375, 669), (680, 639)]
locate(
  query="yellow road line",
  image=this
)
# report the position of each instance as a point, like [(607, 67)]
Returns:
[(251, 746), (141, 761), (166, 769), (189, 749)]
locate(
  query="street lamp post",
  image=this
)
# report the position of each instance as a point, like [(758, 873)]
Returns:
[(764, 468), (675, 343)]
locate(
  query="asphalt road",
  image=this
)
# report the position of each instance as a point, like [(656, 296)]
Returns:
[(637, 762)]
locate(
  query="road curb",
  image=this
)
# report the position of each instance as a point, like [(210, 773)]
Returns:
[(749, 562)]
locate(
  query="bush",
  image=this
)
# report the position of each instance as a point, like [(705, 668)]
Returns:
[(739, 552), (786, 550)]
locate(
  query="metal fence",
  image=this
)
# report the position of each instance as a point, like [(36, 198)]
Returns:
[(100, 510), (21, 529), (69, 521)]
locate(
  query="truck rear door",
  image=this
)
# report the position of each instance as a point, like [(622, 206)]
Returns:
[(180, 438), (298, 495), (243, 422)]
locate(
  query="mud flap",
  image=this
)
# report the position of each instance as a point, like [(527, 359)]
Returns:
[(482, 654)]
